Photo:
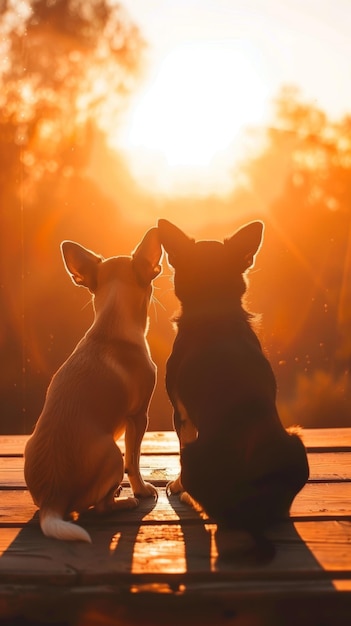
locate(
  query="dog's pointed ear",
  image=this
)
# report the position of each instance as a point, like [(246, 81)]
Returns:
[(175, 242), (81, 264), (244, 244), (147, 257)]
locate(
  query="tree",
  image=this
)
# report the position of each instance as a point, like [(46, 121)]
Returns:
[(303, 182), (67, 64), (66, 67)]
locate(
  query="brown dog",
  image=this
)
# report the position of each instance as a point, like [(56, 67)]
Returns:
[(104, 388), (237, 460)]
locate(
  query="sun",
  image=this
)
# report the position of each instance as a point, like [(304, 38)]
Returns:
[(182, 131)]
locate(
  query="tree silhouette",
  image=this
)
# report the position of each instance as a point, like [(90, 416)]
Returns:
[(304, 177), (65, 68), (67, 63)]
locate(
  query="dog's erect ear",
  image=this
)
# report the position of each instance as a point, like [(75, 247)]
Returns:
[(81, 264), (244, 245), (147, 257), (175, 242)]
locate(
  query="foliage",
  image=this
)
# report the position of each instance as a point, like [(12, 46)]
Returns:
[(65, 63), (65, 68), (304, 176)]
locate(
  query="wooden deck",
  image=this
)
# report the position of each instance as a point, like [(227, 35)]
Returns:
[(165, 564)]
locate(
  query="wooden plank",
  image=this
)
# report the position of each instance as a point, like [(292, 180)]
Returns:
[(316, 500), (156, 442), (156, 605), (166, 442), (12, 445), (327, 438), (309, 550), (330, 466), (323, 499), (154, 468), (21, 559), (167, 550), (159, 468)]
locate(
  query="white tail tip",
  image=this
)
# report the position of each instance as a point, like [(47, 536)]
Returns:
[(54, 526)]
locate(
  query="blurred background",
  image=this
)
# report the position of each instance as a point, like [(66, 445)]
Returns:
[(207, 113)]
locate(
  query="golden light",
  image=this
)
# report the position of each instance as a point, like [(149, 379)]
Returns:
[(183, 130)]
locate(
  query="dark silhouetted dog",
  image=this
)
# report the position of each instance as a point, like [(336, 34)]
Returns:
[(237, 460)]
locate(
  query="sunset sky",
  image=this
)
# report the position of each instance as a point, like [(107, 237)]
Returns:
[(216, 65)]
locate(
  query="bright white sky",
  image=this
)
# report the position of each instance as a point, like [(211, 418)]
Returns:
[(214, 67), (306, 42)]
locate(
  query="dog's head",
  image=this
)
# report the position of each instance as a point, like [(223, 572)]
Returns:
[(210, 271), (133, 273)]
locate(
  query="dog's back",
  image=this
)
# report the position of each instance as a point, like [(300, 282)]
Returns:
[(242, 467), (104, 387)]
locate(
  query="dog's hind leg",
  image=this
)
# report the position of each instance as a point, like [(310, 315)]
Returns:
[(174, 486), (134, 434), (106, 484), (112, 502)]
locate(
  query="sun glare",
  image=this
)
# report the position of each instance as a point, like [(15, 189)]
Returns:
[(183, 128)]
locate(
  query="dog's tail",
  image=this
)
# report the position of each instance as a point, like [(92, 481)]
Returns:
[(53, 525)]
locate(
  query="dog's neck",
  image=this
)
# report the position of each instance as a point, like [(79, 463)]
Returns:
[(118, 322), (210, 313), (196, 328)]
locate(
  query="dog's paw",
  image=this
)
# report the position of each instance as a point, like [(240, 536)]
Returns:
[(147, 490), (124, 503), (173, 487), (131, 503)]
